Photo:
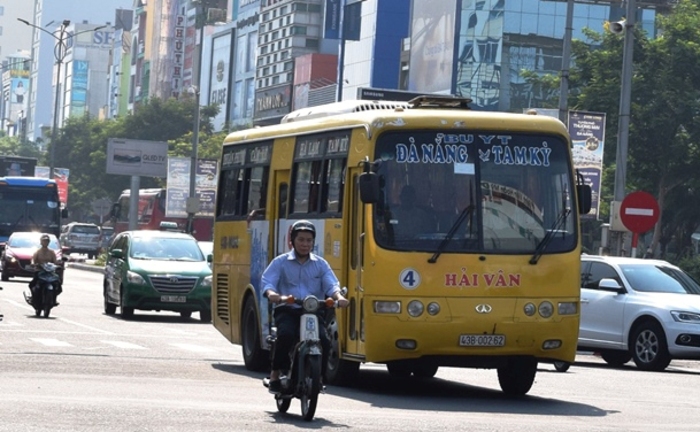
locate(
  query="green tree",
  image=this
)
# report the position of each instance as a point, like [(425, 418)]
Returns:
[(81, 146)]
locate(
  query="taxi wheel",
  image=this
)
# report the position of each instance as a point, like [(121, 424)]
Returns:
[(205, 316), (5, 277), (127, 312)]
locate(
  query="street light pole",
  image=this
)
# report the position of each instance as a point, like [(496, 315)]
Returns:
[(192, 201), (60, 51)]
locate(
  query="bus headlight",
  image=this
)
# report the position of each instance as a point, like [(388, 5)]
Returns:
[(529, 309), (433, 308), (387, 307), (546, 309), (415, 308), (567, 308)]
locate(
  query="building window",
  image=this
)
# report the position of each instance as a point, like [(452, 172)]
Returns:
[(298, 30), (311, 43), (275, 80)]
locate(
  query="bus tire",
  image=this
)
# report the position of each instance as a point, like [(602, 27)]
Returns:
[(255, 358), (339, 372), (400, 368), (517, 376)]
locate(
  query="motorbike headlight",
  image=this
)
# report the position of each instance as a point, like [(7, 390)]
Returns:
[(135, 278), (686, 317), (206, 282), (310, 304)]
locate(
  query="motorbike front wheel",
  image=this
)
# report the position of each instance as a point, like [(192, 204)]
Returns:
[(311, 387), (283, 404), (47, 302)]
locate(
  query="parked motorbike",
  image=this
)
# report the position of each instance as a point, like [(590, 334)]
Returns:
[(303, 379), (44, 289)]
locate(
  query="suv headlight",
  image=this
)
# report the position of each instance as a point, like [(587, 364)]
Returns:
[(135, 278), (686, 317)]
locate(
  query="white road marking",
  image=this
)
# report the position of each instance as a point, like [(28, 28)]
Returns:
[(121, 344), (51, 342), (95, 329), (195, 348)]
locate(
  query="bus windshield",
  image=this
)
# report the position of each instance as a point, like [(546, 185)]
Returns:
[(461, 191), (24, 208)]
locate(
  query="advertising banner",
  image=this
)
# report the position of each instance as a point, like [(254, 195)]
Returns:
[(178, 186), (60, 175), (587, 130), (137, 157)]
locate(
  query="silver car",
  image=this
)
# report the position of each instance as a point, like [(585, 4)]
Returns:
[(81, 238), (638, 309)]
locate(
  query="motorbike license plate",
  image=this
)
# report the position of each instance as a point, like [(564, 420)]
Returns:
[(482, 340), (173, 299)]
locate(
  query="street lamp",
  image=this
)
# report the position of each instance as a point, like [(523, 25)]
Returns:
[(60, 51), (192, 201)]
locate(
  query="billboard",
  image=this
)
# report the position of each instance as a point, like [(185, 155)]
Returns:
[(78, 94), (18, 92), (137, 157), (178, 186), (587, 130), (432, 46), (220, 77)]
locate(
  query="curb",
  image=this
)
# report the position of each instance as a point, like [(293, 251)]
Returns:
[(86, 267)]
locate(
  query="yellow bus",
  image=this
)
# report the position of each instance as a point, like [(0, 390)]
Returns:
[(455, 231)]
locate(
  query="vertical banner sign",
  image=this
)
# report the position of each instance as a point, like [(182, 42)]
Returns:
[(178, 186), (587, 130), (60, 175), (78, 101)]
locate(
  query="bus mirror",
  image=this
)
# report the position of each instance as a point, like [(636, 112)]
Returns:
[(369, 188), (64, 212), (585, 199)]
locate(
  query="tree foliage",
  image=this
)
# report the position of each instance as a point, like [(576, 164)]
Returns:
[(81, 146), (664, 136)]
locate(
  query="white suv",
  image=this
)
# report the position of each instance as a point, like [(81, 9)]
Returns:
[(638, 309)]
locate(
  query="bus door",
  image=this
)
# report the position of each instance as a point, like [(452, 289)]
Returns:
[(355, 317), (281, 197)]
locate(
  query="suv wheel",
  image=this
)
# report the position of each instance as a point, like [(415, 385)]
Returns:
[(649, 348)]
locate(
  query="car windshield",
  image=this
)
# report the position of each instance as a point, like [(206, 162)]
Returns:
[(659, 278), (31, 241), (166, 249)]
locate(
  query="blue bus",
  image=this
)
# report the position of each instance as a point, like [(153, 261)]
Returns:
[(29, 204)]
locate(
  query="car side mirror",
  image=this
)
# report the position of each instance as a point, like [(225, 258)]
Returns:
[(117, 253), (210, 258), (607, 284)]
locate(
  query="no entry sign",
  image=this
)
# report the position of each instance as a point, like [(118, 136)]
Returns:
[(639, 212)]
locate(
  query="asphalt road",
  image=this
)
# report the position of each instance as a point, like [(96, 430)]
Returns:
[(82, 370)]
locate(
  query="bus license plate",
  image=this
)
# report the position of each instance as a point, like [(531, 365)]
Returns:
[(482, 340), (173, 299)]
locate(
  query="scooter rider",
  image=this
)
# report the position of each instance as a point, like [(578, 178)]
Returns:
[(41, 256), (299, 273)]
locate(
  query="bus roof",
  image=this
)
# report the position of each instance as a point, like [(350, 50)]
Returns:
[(27, 181), (443, 112)]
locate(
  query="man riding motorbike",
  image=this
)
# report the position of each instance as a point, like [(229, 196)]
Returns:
[(41, 256), (298, 273)]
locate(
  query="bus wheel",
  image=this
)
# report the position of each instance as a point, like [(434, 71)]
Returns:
[(255, 358), (399, 368), (424, 370), (339, 372), (517, 376)]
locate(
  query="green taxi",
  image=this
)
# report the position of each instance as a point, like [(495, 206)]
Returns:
[(157, 270)]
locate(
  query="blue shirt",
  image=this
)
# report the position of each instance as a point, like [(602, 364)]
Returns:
[(287, 276)]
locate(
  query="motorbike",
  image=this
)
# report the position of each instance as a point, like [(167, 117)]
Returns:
[(44, 289), (303, 379)]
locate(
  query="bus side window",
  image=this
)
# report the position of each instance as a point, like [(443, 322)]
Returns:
[(283, 196)]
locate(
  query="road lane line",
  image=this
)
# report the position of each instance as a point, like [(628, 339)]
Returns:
[(121, 344), (195, 348), (51, 342), (85, 326)]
